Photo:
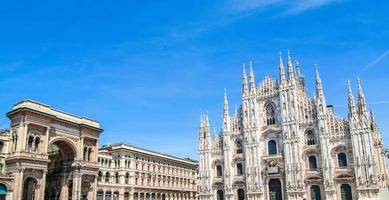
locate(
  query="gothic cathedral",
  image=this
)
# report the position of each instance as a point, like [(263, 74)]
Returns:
[(281, 144)]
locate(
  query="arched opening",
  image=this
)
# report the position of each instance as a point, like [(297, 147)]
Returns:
[(342, 160), (220, 195), (241, 195), (270, 114), (107, 177), (3, 191), (315, 192), (59, 170), (99, 176), (219, 171), (272, 147), (1, 146), (345, 192), (30, 143), (312, 162), (108, 195), (310, 137), (127, 178), (239, 169), (117, 177), (239, 146), (29, 187), (99, 195), (275, 189)]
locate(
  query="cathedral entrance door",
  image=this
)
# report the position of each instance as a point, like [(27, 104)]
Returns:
[(241, 195), (275, 190)]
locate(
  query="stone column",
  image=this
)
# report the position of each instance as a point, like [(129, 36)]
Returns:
[(18, 191), (131, 194), (92, 193), (42, 186), (77, 176)]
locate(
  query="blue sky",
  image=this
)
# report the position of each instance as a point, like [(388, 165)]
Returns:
[(146, 69)]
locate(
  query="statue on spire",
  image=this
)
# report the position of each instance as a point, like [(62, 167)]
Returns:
[(281, 69)]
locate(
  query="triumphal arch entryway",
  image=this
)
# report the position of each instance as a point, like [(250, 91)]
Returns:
[(53, 155)]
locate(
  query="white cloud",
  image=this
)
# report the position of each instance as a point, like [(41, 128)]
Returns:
[(377, 60), (290, 7)]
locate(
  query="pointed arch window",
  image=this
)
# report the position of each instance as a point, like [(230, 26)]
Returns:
[(312, 162), (342, 160), (270, 114), (219, 171), (345, 192), (239, 169), (310, 137), (315, 192), (239, 146), (220, 195), (272, 147)]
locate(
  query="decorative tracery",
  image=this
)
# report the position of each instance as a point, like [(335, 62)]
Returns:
[(270, 114)]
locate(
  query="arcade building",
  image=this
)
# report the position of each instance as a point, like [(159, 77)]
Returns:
[(48, 154)]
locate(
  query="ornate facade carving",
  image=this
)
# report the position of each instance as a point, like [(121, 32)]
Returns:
[(294, 145)]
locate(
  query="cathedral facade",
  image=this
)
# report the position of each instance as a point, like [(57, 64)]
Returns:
[(283, 144)]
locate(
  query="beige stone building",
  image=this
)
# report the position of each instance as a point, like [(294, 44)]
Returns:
[(129, 172), (48, 154)]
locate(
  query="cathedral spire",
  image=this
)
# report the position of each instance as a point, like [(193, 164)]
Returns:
[(361, 99), (281, 69), (226, 118), (372, 120), (290, 67), (244, 81), (351, 104), (319, 86), (320, 99), (297, 66), (252, 80), (225, 110)]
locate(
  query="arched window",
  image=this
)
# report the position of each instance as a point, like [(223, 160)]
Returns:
[(89, 153), (312, 162), (310, 137), (345, 192), (272, 147), (220, 195), (342, 160), (107, 177), (1, 146), (30, 143), (14, 141), (37, 141), (239, 169), (270, 114), (99, 195), (219, 171), (241, 195), (127, 178), (315, 192), (85, 153), (239, 146), (100, 175), (3, 191)]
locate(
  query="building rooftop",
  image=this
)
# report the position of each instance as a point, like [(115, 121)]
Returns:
[(123, 145), (43, 108)]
